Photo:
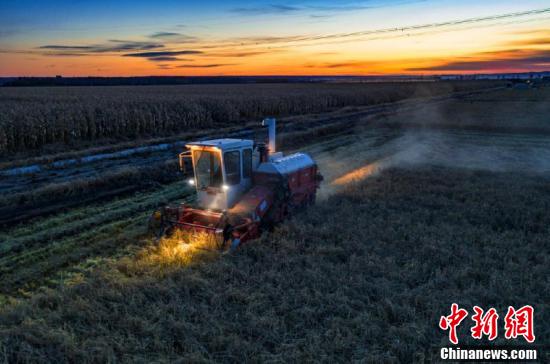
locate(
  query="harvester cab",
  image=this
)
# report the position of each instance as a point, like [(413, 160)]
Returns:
[(222, 171), (241, 187)]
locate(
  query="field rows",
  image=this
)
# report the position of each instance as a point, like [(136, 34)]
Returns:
[(50, 174), (42, 191), (35, 251), (32, 254)]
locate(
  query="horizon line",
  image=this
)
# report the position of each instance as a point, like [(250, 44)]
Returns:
[(292, 76)]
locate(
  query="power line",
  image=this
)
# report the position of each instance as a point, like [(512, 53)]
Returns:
[(431, 25), (410, 28)]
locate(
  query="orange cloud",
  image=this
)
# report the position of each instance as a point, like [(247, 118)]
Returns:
[(507, 60)]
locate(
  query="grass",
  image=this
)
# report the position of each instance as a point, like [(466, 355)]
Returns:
[(370, 287)]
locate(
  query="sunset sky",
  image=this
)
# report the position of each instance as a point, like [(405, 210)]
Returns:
[(315, 37)]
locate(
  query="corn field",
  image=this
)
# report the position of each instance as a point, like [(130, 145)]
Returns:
[(31, 118)]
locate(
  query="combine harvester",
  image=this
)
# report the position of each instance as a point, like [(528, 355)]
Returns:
[(242, 188)]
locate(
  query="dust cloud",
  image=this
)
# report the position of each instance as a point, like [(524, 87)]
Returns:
[(370, 151)]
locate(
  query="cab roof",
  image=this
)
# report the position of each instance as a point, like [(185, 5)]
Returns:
[(223, 143)]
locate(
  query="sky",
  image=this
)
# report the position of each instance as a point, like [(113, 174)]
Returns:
[(311, 37)]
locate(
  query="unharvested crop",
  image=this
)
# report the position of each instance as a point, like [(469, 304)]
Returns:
[(31, 118)]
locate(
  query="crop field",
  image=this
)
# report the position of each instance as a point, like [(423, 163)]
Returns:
[(432, 195), (34, 118)]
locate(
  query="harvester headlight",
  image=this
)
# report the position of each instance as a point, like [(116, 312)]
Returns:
[(191, 182), (225, 187)]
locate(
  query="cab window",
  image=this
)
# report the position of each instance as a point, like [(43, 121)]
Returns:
[(232, 161), (208, 170)]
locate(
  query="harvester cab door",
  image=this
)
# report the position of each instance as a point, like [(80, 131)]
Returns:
[(208, 179)]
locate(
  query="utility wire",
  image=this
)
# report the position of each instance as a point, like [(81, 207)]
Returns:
[(410, 28)]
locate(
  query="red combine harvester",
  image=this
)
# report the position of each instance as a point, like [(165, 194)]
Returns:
[(242, 188)]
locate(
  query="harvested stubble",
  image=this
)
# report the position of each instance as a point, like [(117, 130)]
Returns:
[(367, 287)]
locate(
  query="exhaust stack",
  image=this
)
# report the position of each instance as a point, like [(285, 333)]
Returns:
[(271, 124)]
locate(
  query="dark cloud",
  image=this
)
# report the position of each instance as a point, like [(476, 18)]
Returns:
[(65, 54), (167, 59), (347, 64), (65, 47), (205, 65), (340, 65), (267, 9), (173, 37), (163, 58), (273, 39), (117, 45), (285, 9), (244, 54), (125, 45), (161, 54), (164, 35), (516, 59), (261, 40), (113, 45), (240, 54), (319, 16), (342, 8)]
